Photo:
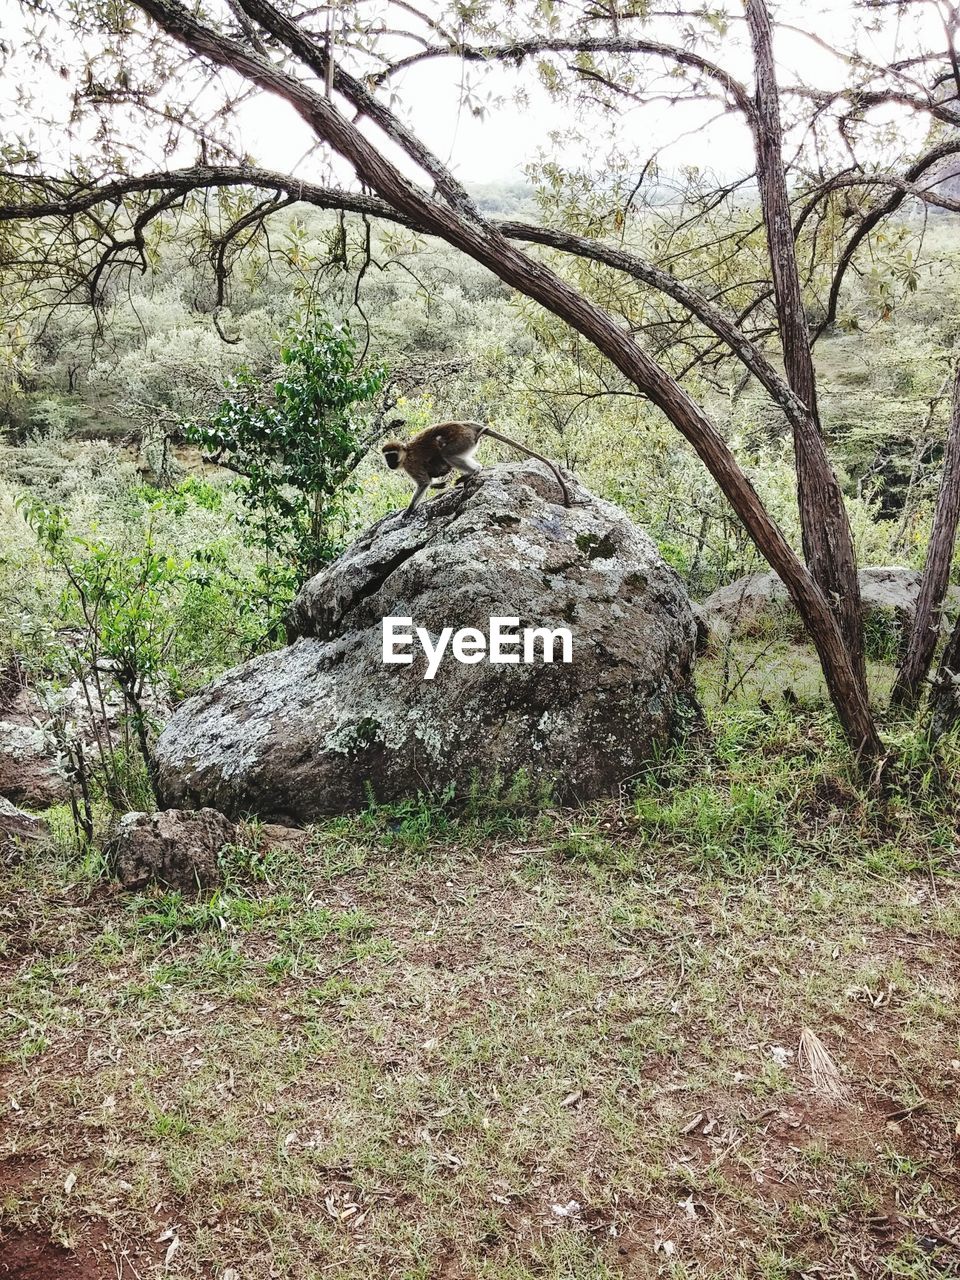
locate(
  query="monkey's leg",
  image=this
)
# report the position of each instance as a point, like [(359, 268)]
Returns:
[(416, 500), (442, 486), (467, 465)]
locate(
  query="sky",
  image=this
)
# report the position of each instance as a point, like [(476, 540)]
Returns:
[(496, 148)]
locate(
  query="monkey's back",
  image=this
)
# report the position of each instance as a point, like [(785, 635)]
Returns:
[(432, 447)]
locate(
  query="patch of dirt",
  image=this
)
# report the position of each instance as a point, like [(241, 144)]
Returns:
[(29, 1256), (19, 1171), (829, 800)]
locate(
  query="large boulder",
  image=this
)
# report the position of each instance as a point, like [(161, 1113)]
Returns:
[(760, 601), (324, 724)]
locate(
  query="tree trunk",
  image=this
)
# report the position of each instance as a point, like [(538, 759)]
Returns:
[(936, 572), (827, 537), (945, 694)]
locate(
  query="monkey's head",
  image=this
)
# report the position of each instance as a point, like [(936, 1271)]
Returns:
[(393, 452)]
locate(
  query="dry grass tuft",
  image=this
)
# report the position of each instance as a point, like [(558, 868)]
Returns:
[(823, 1071)]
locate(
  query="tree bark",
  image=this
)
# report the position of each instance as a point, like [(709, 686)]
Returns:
[(936, 572), (825, 526), (945, 694)]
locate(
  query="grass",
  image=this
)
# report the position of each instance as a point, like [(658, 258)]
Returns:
[(517, 1043)]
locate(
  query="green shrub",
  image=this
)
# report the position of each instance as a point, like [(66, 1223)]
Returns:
[(295, 449)]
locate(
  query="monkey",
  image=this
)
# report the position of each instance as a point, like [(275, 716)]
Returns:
[(432, 454)]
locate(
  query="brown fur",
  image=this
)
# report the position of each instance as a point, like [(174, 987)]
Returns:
[(433, 453)]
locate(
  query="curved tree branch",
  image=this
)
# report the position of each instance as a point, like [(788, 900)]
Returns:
[(862, 100), (322, 63), (926, 195), (873, 219), (68, 196), (715, 318), (520, 50)]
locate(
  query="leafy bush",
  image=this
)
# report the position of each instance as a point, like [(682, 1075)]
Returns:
[(135, 617), (296, 449), (124, 630)]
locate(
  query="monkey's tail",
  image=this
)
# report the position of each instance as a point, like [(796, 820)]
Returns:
[(489, 431)]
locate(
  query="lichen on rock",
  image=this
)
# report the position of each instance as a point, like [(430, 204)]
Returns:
[(318, 726)]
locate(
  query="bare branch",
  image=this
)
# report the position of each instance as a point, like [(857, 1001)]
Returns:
[(721, 323), (521, 50), (869, 223), (321, 62)]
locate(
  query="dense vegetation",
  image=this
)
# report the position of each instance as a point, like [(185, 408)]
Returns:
[(132, 431)]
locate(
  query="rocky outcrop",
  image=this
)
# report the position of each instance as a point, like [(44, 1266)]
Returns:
[(29, 769), (177, 850), (760, 600), (35, 723), (324, 724)]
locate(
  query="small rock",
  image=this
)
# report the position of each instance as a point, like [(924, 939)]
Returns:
[(569, 1210), (175, 847), (16, 826), (273, 835)]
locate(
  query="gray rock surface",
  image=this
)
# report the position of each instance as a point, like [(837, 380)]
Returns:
[(32, 721), (761, 598), (29, 771), (17, 826), (319, 726), (178, 850)]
